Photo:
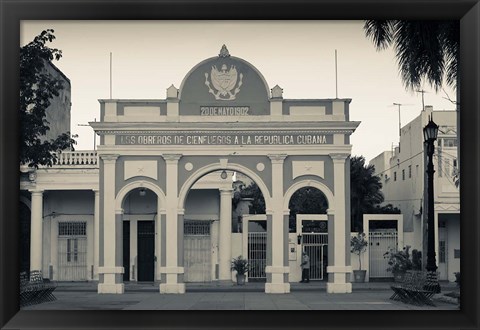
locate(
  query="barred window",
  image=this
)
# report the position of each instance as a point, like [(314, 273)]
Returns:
[(196, 228), (72, 228)]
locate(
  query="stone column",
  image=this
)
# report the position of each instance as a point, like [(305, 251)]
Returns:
[(111, 273), (339, 271), (96, 235), (159, 238), (277, 272), (225, 235), (172, 270), (36, 231)]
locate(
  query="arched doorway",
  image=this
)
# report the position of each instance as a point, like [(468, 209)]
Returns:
[(139, 231), (308, 219), (212, 218)]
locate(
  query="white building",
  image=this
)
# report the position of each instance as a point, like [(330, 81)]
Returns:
[(149, 204), (403, 177)]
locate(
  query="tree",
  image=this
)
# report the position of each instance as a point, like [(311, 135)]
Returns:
[(426, 51), (37, 88), (365, 191), (306, 200), (257, 206)]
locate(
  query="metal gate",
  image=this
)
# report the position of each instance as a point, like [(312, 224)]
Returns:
[(72, 251), (315, 246), (197, 251), (257, 255), (380, 242)]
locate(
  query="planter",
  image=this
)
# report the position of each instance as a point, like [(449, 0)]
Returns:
[(398, 277), (359, 275), (240, 279)]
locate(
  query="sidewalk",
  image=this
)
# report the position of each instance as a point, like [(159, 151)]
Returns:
[(229, 296), (222, 286)]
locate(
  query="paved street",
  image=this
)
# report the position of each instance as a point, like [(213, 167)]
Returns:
[(312, 296)]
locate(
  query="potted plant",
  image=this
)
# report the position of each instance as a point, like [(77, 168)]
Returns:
[(240, 265), (399, 262), (358, 245)]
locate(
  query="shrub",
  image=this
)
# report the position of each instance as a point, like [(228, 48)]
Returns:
[(399, 261)]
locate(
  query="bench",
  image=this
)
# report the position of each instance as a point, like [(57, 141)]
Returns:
[(418, 287), (36, 289)]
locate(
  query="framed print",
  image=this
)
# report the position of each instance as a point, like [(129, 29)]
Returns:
[(199, 189)]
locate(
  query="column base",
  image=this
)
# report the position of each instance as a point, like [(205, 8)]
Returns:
[(178, 288), (277, 287), (118, 288), (339, 287)]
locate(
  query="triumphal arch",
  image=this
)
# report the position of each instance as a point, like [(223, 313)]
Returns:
[(224, 116)]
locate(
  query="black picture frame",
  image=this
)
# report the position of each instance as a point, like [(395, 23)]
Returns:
[(12, 12)]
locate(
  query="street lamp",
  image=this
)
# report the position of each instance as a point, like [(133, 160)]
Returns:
[(430, 133)]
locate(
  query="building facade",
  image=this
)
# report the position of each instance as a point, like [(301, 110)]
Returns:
[(154, 202), (403, 176)]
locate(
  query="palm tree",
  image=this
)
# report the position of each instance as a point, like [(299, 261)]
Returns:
[(426, 51), (365, 191)]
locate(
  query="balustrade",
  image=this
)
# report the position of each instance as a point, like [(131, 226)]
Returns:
[(80, 157)]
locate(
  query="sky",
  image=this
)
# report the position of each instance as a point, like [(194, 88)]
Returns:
[(299, 56)]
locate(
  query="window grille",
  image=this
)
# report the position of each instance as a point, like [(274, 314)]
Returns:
[(196, 228), (394, 176), (409, 171), (72, 228)]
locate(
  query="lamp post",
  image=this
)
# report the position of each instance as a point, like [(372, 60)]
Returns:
[(430, 133)]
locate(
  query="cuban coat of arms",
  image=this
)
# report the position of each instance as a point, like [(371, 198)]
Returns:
[(226, 82)]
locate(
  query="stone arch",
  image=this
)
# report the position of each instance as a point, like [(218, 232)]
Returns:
[(308, 183), (140, 184), (217, 166)]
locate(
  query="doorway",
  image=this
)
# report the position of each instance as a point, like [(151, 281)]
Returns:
[(146, 250), (197, 251)]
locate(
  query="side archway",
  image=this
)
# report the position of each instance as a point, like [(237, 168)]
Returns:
[(140, 184), (308, 183)]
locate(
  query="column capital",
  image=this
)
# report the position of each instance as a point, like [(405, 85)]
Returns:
[(277, 159), (225, 190), (330, 212), (119, 211), (36, 191), (96, 191), (172, 158), (339, 158), (109, 158)]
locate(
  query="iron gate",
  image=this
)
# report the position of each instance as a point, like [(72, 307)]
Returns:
[(72, 251), (315, 246), (257, 255), (197, 251), (380, 242)]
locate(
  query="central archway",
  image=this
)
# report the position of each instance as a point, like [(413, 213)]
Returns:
[(215, 167)]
